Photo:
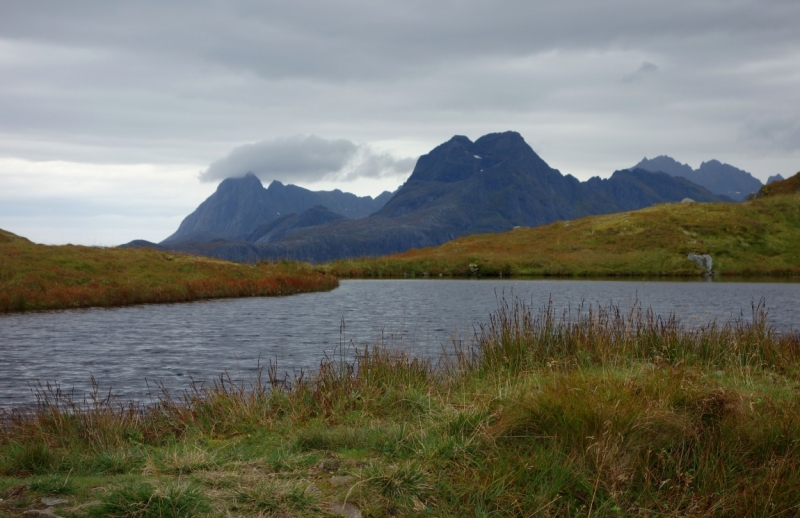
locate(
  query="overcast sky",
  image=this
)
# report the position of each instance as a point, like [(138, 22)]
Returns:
[(118, 118)]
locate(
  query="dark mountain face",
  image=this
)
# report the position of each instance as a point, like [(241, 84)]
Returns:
[(277, 228), (459, 188), (634, 189), (462, 171), (719, 178), (241, 205), (775, 178)]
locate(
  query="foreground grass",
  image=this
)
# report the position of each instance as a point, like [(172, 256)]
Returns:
[(597, 414), (758, 237), (55, 277)]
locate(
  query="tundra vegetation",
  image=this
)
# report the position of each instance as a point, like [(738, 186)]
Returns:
[(598, 412), (56, 277), (758, 237)]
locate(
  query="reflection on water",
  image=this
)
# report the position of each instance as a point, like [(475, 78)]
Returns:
[(133, 348)]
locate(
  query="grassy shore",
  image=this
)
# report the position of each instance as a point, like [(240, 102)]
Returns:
[(55, 277), (759, 237), (610, 414)]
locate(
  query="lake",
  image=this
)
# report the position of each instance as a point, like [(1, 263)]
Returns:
[(132, 349)]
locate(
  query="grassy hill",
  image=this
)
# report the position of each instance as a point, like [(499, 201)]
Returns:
[(53, 277), (758, 237)]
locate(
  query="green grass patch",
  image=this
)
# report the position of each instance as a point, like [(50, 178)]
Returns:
[(53, 485), (149, 501)]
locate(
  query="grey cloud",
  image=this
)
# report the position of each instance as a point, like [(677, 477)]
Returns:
[(373, 40), (306, 159), (646, 69), (181, 82), (781, 134), (378, 165), (303, 158)]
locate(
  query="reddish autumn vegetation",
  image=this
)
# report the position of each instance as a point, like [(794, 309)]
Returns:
[(55, 277)]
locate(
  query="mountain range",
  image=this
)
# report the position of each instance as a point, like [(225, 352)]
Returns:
[(241, 205), (719, 178), (461, 187)]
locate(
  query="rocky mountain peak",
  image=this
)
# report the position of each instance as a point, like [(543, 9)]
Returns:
[(508, 146), (665, 164), (719, 178), (459, 158)]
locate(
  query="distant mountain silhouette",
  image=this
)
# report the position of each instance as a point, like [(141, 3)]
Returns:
[(241, 205), (775, 178), (461, 187), (715, 176)]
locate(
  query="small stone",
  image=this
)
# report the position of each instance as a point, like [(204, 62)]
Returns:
[(703, 261), (52, 502), (347, 509), (330, 465), (342, 481)]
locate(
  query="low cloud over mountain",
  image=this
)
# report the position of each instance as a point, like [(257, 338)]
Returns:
[(310, 158)]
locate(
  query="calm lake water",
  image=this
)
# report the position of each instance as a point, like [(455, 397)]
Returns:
[(132, 349)]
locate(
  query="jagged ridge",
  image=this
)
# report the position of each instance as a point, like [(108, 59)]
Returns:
[(719, 178)]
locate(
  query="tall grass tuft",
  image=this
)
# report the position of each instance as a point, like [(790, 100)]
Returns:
[(516, 338), (149, 501)]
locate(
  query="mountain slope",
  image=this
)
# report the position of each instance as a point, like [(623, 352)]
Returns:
[(719, 178), (280, 227), (241, 205)]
